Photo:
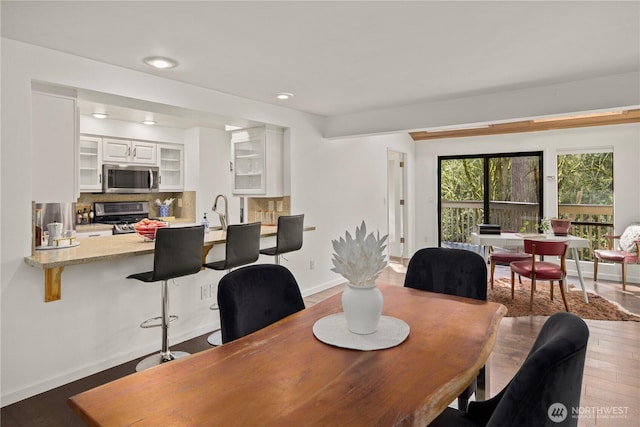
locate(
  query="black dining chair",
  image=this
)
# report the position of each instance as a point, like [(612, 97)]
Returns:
[(454, 272), (253, 297), (545, 389), (178, 252), (288, 236)]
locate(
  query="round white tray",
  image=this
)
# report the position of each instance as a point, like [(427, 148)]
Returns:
[(333, 330), (49, 248)]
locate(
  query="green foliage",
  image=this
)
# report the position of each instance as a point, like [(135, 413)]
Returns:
[(585, 178), (462, 179)]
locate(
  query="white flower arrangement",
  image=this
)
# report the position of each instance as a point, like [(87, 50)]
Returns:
[(359, 260), (167, 202)]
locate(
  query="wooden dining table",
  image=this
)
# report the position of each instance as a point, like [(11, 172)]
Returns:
[(283, 375)]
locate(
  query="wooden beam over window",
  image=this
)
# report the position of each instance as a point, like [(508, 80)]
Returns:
[(627, 116)]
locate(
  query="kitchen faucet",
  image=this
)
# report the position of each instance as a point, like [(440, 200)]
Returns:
[(223, 216)]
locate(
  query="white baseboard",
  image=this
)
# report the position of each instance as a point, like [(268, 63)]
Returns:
[(608, 272), (99, 366), (130, 354), (322, 287)]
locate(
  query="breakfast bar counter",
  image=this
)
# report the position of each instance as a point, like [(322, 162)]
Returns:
[(95, 249)]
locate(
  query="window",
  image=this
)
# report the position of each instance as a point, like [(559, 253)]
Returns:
[(504, 189), (585, 195)]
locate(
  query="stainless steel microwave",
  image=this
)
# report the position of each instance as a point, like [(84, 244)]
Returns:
[(129, 178)]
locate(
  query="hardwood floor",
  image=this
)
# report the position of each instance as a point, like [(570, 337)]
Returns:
[(611, 377)]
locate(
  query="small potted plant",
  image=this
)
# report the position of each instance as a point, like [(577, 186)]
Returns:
[(360, 260), (560, 226), (545, 226)]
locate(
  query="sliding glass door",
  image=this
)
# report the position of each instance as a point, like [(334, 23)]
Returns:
[(504, 189)]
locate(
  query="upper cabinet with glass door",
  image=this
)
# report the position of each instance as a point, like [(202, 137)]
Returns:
[(170, 161), (90, 161), (257, 162)]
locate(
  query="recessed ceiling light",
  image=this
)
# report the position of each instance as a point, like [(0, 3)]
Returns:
[(149, 122), (284, 95), (160, 62), (99, 115)]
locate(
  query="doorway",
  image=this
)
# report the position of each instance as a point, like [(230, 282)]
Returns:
[(396, 206)]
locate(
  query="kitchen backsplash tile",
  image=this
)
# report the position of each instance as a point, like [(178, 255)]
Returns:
[(184, 210), (268, 209)]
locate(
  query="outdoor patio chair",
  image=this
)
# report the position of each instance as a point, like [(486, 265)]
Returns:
[(625, 254)]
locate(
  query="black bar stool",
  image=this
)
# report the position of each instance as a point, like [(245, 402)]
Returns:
[(178, 252), (288, 237), (242, 247)]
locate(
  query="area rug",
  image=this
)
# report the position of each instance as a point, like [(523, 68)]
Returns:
[(599, 308)]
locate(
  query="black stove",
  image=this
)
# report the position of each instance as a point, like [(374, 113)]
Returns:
[(123, 215)]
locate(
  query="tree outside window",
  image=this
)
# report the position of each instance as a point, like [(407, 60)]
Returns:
[(585, 195)]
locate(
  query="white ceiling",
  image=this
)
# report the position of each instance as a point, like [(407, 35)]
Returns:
[(344, 57)]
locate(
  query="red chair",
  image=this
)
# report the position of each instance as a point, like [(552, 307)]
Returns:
[(627, 252), (505, 258), (541, 270)]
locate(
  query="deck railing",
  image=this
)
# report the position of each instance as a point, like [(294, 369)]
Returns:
[(461, 218), (591, 222)]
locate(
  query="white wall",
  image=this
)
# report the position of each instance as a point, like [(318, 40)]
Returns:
[(623, 139), (214, 176), (339, 184), (95, 324), (336, 183)]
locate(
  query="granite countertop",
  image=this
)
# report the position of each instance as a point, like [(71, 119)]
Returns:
[(93, 227), (94, 249), (96, 226), (113, 247)]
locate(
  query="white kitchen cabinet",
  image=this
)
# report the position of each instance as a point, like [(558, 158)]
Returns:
[(54, 131), (171, 164), (93, 233), (90, 161), (257, 162), (126, 151)]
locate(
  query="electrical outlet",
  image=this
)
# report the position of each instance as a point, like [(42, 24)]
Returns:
[(312, 265), (204, 292), (212, 290)]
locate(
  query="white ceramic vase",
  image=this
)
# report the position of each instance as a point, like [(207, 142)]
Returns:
[(362, 306)]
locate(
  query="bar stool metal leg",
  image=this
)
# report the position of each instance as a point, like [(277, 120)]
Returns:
[(215, 338), (165, 354)]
